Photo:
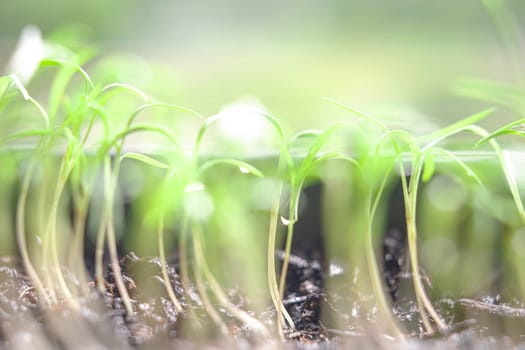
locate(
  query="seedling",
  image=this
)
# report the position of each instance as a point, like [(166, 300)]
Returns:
[(79, 145)]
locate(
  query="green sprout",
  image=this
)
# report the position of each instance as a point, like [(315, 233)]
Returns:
[(80, 144), (419, 159), (296, 176), (193, 186), (110, 174)]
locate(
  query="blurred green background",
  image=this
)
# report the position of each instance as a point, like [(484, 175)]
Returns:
[(397, 58)]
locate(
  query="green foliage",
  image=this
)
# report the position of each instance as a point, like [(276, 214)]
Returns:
[(74, 159)]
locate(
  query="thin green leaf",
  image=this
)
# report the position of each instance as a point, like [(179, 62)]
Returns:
[(404, 136), (243, 167), (468, 170), (58, 90), (103, 116), (24, 134), (214, 119), (507, 169), (318, 143), (336, 156), (160, 105), (18, 84), (62, 62), (144, 159), (110, 89), (455, 128), (506, 129), (144, 128), (320, 140), (310, 133), (429, 167), (357, 113)]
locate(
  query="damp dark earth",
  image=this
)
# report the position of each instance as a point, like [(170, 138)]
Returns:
[(101, 321)]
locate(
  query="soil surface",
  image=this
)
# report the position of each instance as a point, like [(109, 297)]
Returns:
[(102, 322)]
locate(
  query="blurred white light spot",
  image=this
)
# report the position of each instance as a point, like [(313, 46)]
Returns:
[(355, 311), (243, 123), (29, 51), (194, 187), (198, 205), (244, 170), (336, 270)]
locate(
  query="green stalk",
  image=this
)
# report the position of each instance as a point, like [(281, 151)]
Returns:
[(80, 198), (199, 283), (292, 219), (49, 240), (99, 249), (110, 177), (272, 278), (22, 242), (410, 195), (198, 239), (57, 91), (373, 268), (222, 298), (45, 134), (44, 196), (282, 313), (106, 232), (160, 223), (163, 265), (81, 201), (106, 227), (69, 162), (183, 255)]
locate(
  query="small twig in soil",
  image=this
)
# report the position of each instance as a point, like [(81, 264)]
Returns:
[(410, 275), (297, 261), (497, 309), (300, 299)]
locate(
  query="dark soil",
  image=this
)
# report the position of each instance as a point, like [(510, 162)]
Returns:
[(156, 324)]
